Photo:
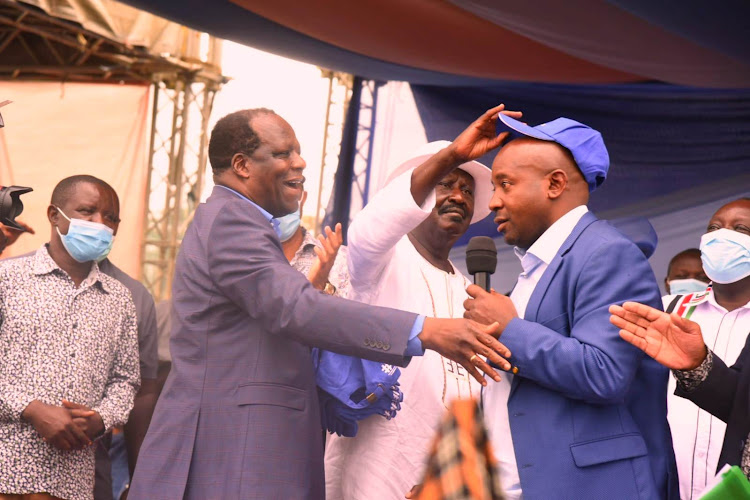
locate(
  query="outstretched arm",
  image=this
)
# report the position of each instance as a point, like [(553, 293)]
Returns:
[(677, 343), (673, 341)]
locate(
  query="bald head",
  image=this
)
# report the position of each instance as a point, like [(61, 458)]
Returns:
[(536, 182), (735, 215)]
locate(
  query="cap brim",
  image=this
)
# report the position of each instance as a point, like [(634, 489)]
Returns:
[(517, 129)]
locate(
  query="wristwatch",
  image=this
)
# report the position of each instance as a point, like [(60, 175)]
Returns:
[(329, 288)]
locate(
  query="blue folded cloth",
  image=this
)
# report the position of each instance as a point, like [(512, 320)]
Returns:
[(351, 389)]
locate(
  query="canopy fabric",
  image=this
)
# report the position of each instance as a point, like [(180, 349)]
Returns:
[(670, 147), (475, 42), (133, 27)]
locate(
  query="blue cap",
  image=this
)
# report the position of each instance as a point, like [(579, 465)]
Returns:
[(584, 143)]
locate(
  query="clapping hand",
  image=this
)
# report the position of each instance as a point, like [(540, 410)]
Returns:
[(673, 341), (326, 256)]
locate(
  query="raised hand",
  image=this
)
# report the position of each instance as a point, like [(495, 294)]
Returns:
[(55, 425), (466, 342), (481, 137), (85, 418), (326, 253), (673, 341)]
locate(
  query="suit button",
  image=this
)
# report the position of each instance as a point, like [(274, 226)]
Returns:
[(386, 347), (367, 341), (379, 344)]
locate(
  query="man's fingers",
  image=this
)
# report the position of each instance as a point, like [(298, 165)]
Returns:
[(322, 255), (70, 404), (339, 233), (474, 291), (60, 441), (632, 318), (642, 310), (637, 341), (480, 363), (685, 324), (513, 114), (78, 434), (492, 112), (493, 345), (474, 372), (80, 413)]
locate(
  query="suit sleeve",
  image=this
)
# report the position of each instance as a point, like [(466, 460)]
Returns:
[(593, 364), (249, 268), (718, 393), (376, 229)]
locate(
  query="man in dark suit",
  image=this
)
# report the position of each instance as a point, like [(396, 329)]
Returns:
[(238, 416), (678, 343), (584, 414)]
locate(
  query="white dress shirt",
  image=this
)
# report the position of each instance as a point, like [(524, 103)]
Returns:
[(534, 262), (388, 457), (697, 436)]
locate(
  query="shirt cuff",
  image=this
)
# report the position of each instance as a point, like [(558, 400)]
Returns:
[(414, 346), (688, 380)]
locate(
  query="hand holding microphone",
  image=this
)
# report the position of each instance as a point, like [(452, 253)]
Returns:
[(485, 305)]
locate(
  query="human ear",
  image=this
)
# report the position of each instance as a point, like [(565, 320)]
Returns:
[(52, 214), (239, 165), (558, 182)]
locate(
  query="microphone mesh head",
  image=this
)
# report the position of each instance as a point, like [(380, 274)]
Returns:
[(481, 255)]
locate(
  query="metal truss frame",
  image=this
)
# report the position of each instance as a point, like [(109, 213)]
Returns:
[(177, 164), (365, 141), (37, 46)]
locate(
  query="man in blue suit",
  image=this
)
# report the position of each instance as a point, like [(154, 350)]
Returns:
[(583, 413)]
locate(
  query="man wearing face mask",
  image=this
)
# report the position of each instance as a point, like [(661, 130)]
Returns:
[(69, 370), (685, 274), (322, 259), (723, 313), (145, 399)]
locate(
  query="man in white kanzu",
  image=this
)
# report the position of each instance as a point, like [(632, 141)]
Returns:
[(398, 257)]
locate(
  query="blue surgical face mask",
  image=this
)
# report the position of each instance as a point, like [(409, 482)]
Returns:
[(725, 255), (686, 286), (86, 241), (288, 225)]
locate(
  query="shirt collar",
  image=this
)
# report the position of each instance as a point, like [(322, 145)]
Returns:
[(548, 244), (43, 263), (263, 211), (697, 298)]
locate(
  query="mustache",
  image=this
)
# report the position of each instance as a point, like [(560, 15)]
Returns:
[(452, 207)]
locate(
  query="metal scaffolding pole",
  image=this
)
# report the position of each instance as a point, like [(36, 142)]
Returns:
[(177, 162)]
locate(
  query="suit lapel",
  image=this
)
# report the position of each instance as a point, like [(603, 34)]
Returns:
[(535, 301)]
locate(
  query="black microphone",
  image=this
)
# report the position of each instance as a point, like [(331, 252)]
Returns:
[(481, 260)]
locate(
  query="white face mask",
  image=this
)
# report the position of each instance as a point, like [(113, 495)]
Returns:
[(726, 255), (686, 286)]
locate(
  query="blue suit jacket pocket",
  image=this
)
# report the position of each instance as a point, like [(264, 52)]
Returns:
[(608, 449), (271, 394), (558, 323)]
